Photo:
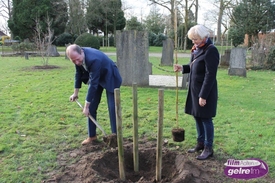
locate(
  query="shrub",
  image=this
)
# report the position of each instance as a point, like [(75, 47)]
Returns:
[(64, 38), (87, 40), (111, 41), (270, 62), (159, 39), (236, 35), (17, 38), (101, 39), (24, 46), (152, 36)]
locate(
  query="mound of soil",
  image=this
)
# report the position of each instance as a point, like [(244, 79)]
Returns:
[(98, 162)]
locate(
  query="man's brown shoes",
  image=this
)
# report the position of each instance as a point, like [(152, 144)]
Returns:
[(89, 140)]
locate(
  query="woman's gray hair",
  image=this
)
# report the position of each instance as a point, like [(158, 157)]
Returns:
[(198, 31)]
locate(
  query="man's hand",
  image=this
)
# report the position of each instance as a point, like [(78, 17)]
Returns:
[(86, 109), (73, 97), (86, 112)]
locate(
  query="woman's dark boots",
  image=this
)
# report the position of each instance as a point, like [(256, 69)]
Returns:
[(199, 146), (206, 153)]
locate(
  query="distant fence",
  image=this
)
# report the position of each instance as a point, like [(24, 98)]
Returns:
[(7, 51)]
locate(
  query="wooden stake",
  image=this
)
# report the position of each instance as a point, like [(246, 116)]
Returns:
[(135, 124), (119, 134), (160, 134), (176, 58)]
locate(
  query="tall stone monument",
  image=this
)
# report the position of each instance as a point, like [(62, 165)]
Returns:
[(237, 63), (133, 57), (167, 58)]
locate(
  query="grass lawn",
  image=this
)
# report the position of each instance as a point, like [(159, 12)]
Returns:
[(38, 122)]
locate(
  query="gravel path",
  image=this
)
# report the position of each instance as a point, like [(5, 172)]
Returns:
[(164, 81)]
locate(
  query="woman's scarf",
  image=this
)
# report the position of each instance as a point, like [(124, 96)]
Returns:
[(195, 49)]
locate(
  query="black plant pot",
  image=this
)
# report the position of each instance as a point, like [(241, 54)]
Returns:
[(178, 134)]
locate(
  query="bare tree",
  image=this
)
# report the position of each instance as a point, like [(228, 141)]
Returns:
[(223, 5), (188, 17), (5, 13), (186, 23), (5, 9), (43, 40), (170, 6), (77, 24), (195, 4), (128, 9), (219, 16)]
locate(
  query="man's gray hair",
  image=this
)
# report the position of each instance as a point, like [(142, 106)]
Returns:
[(73, 47)]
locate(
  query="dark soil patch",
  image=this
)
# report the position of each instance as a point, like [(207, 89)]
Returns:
[(45, 67), (111, 140), (41, 67), (97, 162)]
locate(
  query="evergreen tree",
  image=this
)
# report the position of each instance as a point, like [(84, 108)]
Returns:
[(155, 22), (252, 17), (94, 16), (25, 13), (105, 15), (134, 24)]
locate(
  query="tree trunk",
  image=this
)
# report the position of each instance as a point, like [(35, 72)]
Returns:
[(219, 23), (196, 11), (186, 24), (172, 15)]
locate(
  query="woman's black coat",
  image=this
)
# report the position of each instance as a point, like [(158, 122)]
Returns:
[(202, 81)]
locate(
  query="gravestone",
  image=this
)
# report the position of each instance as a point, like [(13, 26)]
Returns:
[(225, 58), (132, 50), (237, 63), (167, 52), (52, 51), (185, 81), (66, 45)]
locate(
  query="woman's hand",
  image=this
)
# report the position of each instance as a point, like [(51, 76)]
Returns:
[(177, 67), (202, 102)]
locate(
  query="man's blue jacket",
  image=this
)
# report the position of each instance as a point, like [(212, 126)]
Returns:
[(101, 70)]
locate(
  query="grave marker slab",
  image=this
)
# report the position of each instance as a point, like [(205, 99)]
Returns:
[(133, 57), (237, 63)]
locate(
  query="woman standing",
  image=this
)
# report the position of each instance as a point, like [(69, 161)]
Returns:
[(202, 94)]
